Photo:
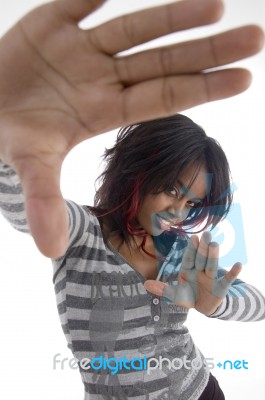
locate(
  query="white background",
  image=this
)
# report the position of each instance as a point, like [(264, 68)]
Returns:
[(30, 330)]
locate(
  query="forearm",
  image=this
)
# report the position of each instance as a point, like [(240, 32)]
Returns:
[(12, 207), (243, 302)]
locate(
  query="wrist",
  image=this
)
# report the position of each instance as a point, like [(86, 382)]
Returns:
[(220, 309)]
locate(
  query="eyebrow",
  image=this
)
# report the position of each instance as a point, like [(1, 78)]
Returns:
[(186, 190)]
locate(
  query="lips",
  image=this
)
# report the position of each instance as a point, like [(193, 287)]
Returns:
[(166, 224)]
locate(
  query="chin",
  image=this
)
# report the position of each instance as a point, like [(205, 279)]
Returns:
[(157, 231)]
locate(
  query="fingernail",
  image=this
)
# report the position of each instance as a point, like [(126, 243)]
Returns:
[(155, 287), (214, 244), (206, 237)]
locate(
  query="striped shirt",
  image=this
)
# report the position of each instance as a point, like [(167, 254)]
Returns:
[(130, 344)]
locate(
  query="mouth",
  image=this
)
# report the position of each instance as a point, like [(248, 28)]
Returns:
[(167, 224)]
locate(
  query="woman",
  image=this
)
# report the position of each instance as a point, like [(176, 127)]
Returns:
[(163, 180)]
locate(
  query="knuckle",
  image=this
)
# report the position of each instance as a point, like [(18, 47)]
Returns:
[(128, 28), (165, 61), (122, 70), (188, 258), (200, 258), (211, 265), (168, 95)]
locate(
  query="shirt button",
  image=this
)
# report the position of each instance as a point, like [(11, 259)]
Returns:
[(155, 301), (156, 318)]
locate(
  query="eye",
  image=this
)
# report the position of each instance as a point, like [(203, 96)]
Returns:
[(194, 204), (174, 192), (191, 204)]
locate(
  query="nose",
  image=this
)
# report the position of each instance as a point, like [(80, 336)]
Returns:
[(178, 209)]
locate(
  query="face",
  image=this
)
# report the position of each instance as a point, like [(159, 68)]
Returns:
[(158, 212)]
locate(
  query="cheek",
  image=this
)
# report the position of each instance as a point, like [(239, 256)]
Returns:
[(183, 214), (154, 204)]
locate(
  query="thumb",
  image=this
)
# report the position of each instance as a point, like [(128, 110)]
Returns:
[(181, 294), (44, 205), (155, 287), (222, 285)]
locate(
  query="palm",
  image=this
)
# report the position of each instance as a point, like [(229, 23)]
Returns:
[(198, 285), (205, 291), (60, 85), (63, 84)]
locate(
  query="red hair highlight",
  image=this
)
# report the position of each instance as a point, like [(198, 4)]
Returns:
[(133, 209), (131, 214)]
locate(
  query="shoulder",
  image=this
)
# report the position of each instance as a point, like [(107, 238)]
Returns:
[(81, 214)]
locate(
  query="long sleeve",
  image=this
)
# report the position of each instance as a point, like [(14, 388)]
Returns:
[(12, 199), (243, 302)]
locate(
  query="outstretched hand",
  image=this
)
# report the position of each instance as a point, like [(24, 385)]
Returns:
[(198, 284), (60, 85)]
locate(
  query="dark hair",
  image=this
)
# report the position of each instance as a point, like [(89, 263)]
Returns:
[(148, 158)]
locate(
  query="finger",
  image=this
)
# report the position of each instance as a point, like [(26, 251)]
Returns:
[(212, 260), (133, 29), (155, 287), (188, 260), (165, 96), (222, 285), (181, 294), (44, 205), (190, 57), (202, 252), (77, 9), (232, 275)]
